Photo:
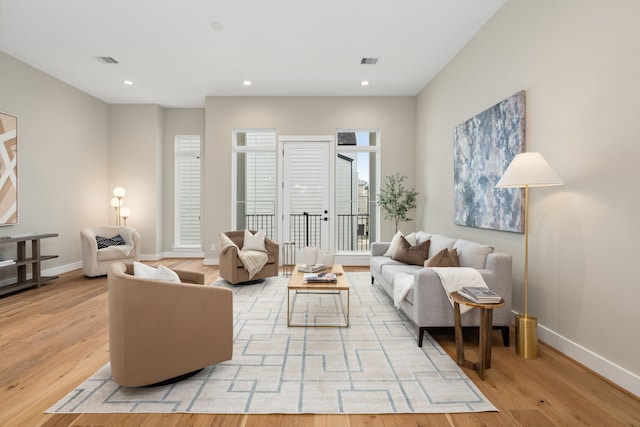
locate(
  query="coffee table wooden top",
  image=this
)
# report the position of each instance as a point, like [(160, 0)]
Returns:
[(296, 280)]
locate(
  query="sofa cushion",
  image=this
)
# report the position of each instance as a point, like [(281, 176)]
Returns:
[(271, 259), (439, 242), (415, 255), (444, 258), (115, 252), (421, 236), (472, 254), (391, 269)]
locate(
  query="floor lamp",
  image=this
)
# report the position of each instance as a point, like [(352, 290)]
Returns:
[(527, 170)]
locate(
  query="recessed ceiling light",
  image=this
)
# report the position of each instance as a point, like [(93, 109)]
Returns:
[(217, 25), (247, 83), (364, 83), (128, 82)]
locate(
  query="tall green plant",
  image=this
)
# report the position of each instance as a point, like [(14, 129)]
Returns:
[(395, 200)]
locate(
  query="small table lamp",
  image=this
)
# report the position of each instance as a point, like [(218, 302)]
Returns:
[(527, 170)]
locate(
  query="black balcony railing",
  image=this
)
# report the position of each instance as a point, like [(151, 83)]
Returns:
[(353, 232), (264, 222), (306, 229)]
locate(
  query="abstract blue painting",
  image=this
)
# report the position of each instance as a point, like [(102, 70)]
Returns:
[(484, 146)]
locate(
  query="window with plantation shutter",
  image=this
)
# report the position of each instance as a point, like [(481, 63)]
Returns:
[(254, 167), (188, 192)]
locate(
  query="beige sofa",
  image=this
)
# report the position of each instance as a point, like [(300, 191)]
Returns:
[(231, 267), (427, 304), (96, 262), (160, 330)]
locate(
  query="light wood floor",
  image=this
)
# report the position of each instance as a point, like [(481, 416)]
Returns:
[(53, 338)]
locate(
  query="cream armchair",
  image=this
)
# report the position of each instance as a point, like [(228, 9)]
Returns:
[(161, 330), (96, 262)]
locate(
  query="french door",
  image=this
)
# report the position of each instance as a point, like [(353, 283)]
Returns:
[(307, 173)]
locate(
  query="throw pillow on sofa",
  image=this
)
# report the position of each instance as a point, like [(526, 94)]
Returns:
[(413, 239), (408, 254), (472, 254), (161, 273), (444, 258), (254, 242), (105, 242)]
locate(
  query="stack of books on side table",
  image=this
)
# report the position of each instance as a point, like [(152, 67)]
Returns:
[(320, 278), (310, 268), (479, 294)]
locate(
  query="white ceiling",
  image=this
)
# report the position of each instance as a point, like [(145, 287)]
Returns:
[(175, 57)]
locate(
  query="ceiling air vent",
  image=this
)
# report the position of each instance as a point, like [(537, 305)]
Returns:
[(369, 61), (106, 60)]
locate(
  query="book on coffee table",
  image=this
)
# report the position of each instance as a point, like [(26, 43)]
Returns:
[(319, 278), (310, 268)]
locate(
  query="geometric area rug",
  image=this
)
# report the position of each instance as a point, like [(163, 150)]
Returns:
[(374, 366)]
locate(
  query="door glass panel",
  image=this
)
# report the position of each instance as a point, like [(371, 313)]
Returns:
[(306, 194)]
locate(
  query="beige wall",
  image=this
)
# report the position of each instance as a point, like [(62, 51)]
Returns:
[(62, 159), (135, 163), (578, 62), (394, 116)]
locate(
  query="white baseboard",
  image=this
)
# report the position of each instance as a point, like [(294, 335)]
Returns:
[(609, 370), (56, 271), (211, 261)]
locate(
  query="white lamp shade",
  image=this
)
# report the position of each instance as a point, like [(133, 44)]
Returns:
[(119, 192), (115, 202), (529, 169), (125, 212)]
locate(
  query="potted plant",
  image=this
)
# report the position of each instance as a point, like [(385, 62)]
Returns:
[(395, 200)]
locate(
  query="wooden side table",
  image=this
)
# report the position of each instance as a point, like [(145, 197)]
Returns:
[(486, 327)]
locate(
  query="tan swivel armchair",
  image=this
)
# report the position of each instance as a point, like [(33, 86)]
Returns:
[(231, 267), (96, 262), (161, 330)]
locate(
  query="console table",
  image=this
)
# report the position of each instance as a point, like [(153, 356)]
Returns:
[(22, 261)]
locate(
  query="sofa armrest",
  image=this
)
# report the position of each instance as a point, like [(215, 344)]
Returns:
[(498, 275), (273, 248), (379, 248)]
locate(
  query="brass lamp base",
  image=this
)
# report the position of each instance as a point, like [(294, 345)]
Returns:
[(526, 336)]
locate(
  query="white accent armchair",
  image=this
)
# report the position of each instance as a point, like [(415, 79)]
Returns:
[(96, 262)]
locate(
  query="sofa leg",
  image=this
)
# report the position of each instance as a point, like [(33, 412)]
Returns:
[(372, 280), (421, 332), (505, 335)]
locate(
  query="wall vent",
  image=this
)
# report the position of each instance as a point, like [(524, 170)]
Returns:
[(106, 60), (369, 61)]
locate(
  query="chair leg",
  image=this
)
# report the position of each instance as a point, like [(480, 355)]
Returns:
[(372, 280)]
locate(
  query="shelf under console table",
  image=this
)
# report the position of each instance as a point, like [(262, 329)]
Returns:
[(22, 261)]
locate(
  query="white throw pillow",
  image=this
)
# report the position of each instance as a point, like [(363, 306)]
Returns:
[(394, 244), (161, 273), (254, 242), (412, 239)]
